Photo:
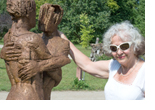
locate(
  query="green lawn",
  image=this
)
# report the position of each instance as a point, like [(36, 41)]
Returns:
[(4, 80), (1, 42), (68, 76)]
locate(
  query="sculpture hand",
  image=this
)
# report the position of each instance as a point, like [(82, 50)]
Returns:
[(9, 52), (33, 67), (29, 70)]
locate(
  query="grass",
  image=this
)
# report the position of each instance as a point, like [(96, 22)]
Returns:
[(68, 76), (1, 42), (4, 80)]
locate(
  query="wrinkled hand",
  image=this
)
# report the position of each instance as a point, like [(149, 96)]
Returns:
[(9, 52), (29, 70)]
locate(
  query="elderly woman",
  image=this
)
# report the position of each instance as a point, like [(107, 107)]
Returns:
[(126, 71)]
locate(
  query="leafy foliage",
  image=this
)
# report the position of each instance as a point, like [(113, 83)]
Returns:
[(86, 30), (78, 85), (2, 6), (103, 57), (4, 31), (124, 12), (96, 10), (140, 17), (113, 5), (101, 13)]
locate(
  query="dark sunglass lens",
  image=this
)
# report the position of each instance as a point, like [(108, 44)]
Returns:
[(113, 48), (124, 46)]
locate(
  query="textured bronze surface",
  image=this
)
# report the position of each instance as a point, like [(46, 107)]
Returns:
[(33, 63), (49, 18)]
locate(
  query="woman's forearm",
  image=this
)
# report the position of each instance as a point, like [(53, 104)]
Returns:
[(98, 69), (79, 58)]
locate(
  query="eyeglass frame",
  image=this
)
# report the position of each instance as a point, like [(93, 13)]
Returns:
[(118, 47)]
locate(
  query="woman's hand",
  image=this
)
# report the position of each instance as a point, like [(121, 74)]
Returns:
[(62, 35)]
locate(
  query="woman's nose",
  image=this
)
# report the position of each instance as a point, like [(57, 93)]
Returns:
[(119, 51)]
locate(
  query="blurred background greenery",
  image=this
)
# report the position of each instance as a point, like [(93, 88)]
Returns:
[(101, 14)]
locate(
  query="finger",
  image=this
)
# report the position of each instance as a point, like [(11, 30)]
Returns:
[(22, 71), (21, 74), (9, 48), (9, 44), (12, 59), (13, 51), (26, 76), (23, 77), (13, 55)]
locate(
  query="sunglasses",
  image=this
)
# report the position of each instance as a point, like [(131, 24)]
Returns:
[(122, 46)]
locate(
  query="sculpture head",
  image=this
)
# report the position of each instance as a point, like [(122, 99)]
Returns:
[(50, 17), (22, 8)]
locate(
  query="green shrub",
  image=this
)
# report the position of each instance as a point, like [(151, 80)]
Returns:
[(86, 30), (79, 85), (103, 57), (4, 31)]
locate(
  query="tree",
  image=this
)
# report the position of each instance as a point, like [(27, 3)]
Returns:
[(101, 13), (2, 6), (96, 10), (140, 16), (112, 5), (131, 10), (126, 11), (5, 19), (86, 30)]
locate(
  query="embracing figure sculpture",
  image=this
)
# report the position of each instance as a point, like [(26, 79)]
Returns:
[(27, 58), (49, 18)]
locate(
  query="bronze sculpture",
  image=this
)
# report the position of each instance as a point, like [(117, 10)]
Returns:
[(26, 55), (49, 18)]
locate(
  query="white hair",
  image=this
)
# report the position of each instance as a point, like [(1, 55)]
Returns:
[(127, 32)]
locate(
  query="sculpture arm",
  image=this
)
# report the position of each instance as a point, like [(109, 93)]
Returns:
[(34, 67), (53, 63), (45, 62)]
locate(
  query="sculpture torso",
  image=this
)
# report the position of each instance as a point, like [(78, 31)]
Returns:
[(57, 47), (32, 88)]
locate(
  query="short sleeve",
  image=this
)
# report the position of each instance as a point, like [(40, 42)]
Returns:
[(113, 67)]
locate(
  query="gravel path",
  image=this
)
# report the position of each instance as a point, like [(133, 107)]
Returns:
[(1, 46), (69, 95)]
